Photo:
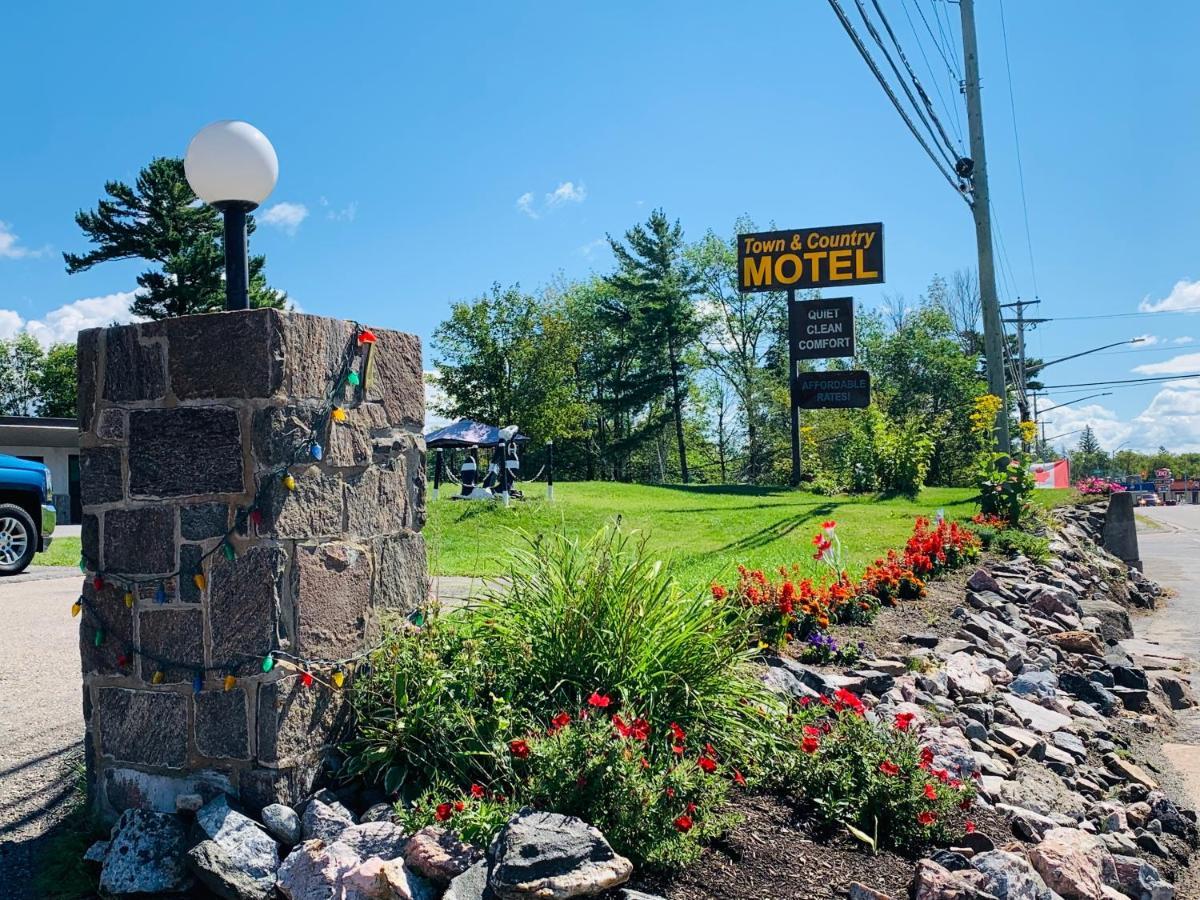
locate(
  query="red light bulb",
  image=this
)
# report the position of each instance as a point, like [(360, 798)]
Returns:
[(306, 679)]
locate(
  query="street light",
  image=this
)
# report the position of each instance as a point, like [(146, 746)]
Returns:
[(232, 166), (1040, 366)]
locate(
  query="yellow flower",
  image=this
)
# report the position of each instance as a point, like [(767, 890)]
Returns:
[(1028, 431), (983, 417)]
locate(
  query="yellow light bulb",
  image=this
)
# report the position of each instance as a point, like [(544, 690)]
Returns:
[(199, 581), (76, 609), (157, 677), (230, 681), (338, 679), (289, 481), (339, 414), (129, 599)]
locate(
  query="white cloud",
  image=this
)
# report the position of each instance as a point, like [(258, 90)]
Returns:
[(11, 247), (65, 322), (1184, 339), (346, 214), (1171, 420), (592, 247), (1184, 297), (567, 192), (525, 204), (434, 395), (285, 216), (1176, 365)]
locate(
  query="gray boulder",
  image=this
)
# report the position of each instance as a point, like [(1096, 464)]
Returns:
[(1135, 877), (215, 870), (471, 885), (382, 839), (146, 855), (246, 844), (551, 856), (1011, 877), (283, 823), (323, 821)]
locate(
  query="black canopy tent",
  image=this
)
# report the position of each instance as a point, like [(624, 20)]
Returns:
[(466, 434)]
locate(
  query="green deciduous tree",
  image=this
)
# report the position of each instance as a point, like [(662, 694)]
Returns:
[(57, 382), (510, 358), (161, 220), (34, 381), (656, 301)]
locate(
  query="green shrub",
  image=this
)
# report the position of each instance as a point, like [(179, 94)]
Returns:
[(1013, 542), (874, 779), (902, 453), (1005, 485), (580, 615)]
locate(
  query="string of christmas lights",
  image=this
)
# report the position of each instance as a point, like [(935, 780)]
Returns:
[(247, 518)]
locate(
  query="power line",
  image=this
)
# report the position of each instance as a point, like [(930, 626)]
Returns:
[(867, 58), (949, 144), (1017, 142), (1132, 315), (951, 110), (1129, 381)]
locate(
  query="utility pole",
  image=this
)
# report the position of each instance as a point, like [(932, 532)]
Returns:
[(1020, 321), (993, 329)]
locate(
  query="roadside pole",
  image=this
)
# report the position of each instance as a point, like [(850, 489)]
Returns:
[(993, 329), (793, 365)]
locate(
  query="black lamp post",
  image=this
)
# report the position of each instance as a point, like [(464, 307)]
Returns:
[(233, 167)]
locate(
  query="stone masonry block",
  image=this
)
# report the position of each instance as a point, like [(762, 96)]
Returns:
[(111, 426), (401, 574), (313, 350), (89, 539), (132, 370), (313, 509), (176, 635), (235, 355), (296, 721), (222, 724), (289, 786), (139, 541), (87, 362), (331, 584), (184, 452), (244, 606), (106, 610), (148, 728), (189, 564), (204, 520), (352, 443), (377, 500), (100, 475), (395, 378)]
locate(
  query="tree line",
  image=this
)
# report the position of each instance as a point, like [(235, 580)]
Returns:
[(662, 370)]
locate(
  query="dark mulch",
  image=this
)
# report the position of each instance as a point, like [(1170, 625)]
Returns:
[(775, 854)]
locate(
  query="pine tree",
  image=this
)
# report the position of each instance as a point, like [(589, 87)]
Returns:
[(656, 297), (1089, 445), (161, 220)]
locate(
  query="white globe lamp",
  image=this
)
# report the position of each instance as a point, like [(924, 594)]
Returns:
[(232, 166)]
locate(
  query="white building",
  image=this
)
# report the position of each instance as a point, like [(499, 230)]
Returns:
[(55, 444)]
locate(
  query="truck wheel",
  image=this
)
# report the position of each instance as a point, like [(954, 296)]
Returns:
[(18, 539)]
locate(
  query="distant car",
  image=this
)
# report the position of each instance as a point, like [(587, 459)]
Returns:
[(27, 513), (1148, 500)]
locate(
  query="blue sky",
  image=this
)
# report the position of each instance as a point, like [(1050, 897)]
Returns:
[(427, 152)]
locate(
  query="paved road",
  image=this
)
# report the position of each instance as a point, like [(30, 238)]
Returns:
[(1169, 541), (41, 721)]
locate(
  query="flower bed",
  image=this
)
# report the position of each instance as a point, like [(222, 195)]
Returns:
[(1094, 486), (790, 606)]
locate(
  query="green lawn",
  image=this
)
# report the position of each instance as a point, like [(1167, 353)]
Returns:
[(707, 529), (64, 551)]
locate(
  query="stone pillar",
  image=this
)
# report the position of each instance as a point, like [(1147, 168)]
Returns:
[(185, 424), (1120, 529)]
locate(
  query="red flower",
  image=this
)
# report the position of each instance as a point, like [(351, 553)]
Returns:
[(598, 700), (930, 792), (519, 748), (645, 763), (443, 812), (965, 805), (904, 720), (459, 806), (970, 826), (850, 700), (926, 817), (684, 823), (707, 764), (690, 808), (926, 757), (677, 749), (710, 750), (562, 720), (811, 731), (889, 768), (477, 791), (718, 592), (804, 701), (738, 778), (678, 732), (809, 745), (670, 792)]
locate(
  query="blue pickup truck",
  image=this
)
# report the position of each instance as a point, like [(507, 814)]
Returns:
[(27, 514)]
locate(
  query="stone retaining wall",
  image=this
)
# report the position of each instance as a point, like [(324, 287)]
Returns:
[(180, 420)]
